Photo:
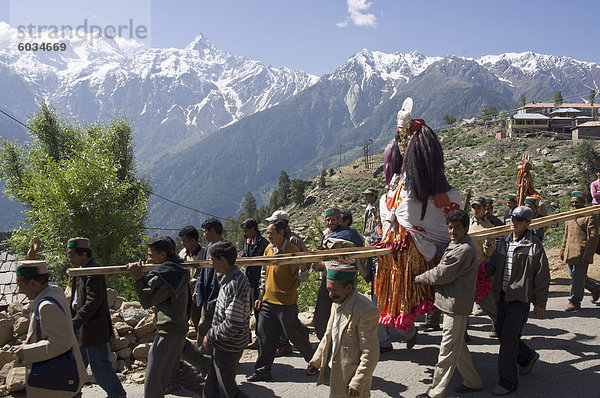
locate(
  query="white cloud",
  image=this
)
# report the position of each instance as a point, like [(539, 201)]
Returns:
[(357, 14), (6, 35)]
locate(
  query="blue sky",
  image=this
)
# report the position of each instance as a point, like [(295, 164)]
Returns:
[(319, 35)]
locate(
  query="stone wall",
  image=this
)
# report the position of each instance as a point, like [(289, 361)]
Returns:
[(134, 331), (8, 281)]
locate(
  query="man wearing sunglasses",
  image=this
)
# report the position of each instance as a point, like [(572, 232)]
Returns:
[(521, 277), (578, 247)]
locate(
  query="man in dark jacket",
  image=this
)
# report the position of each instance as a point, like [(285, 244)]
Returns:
[(166, 288), (254, 246), (521, 277), (206, 290), (91, 318)]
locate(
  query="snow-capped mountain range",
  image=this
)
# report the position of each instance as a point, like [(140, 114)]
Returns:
[(182, 95), (170, 94), (177, 98)]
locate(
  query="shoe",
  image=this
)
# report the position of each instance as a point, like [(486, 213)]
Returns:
[(283, 351), (431, 328), (462, 389), (260, 376), (410, 343), (499, 390), (572, 306), (595, 295), (253, 346), (523, 370), (172, 388), (383, 349)]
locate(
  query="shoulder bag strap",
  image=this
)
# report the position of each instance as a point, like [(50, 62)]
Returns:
[(37, 314)]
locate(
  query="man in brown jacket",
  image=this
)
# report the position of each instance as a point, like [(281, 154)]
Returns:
[(454, 279), (578, 247), (351, 338)]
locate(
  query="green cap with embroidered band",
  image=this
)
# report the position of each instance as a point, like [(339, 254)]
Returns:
[(342, 273), (78, 243), (577, 194), (31, 268)]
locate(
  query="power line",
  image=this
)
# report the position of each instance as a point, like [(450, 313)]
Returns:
[(133, 184)]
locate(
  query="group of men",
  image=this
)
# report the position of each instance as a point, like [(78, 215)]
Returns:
[(220, 299)]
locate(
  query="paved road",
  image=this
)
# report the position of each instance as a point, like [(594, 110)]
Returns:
[(569, 365)]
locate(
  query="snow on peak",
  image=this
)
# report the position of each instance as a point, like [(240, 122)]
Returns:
[(530, 62), (200, 43), (390, 66)]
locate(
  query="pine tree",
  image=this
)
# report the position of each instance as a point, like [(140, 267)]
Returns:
[(322, 182), (284, 187), (249, 206)]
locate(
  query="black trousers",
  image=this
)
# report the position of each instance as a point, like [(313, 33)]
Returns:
[(322, 309), (273, 319), (512, 316), (220, 382)]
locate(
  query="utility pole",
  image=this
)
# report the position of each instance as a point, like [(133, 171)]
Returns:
[(340, 155), (368, 152)]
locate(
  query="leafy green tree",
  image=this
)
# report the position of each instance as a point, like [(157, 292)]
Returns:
[(490, 113), (523, 101), (588, 159), (331, 172), (449, 119), (249, 206), (558, 98), (77, 182), (298, 188)]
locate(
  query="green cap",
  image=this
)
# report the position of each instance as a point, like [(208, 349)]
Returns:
[(31, 268), (530, 201), (332, 211), (577, 194), (511, 197), (342, 273), (78, 243)]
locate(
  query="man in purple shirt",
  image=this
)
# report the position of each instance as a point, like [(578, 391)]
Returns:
[(595, 188)]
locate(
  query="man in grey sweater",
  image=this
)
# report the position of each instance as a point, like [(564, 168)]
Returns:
[(454, 278), (230, 331)]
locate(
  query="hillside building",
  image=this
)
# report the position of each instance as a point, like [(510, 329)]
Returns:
[(544, 116)]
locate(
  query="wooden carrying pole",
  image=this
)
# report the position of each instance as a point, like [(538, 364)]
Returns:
[(503, 230), (281, 259)]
